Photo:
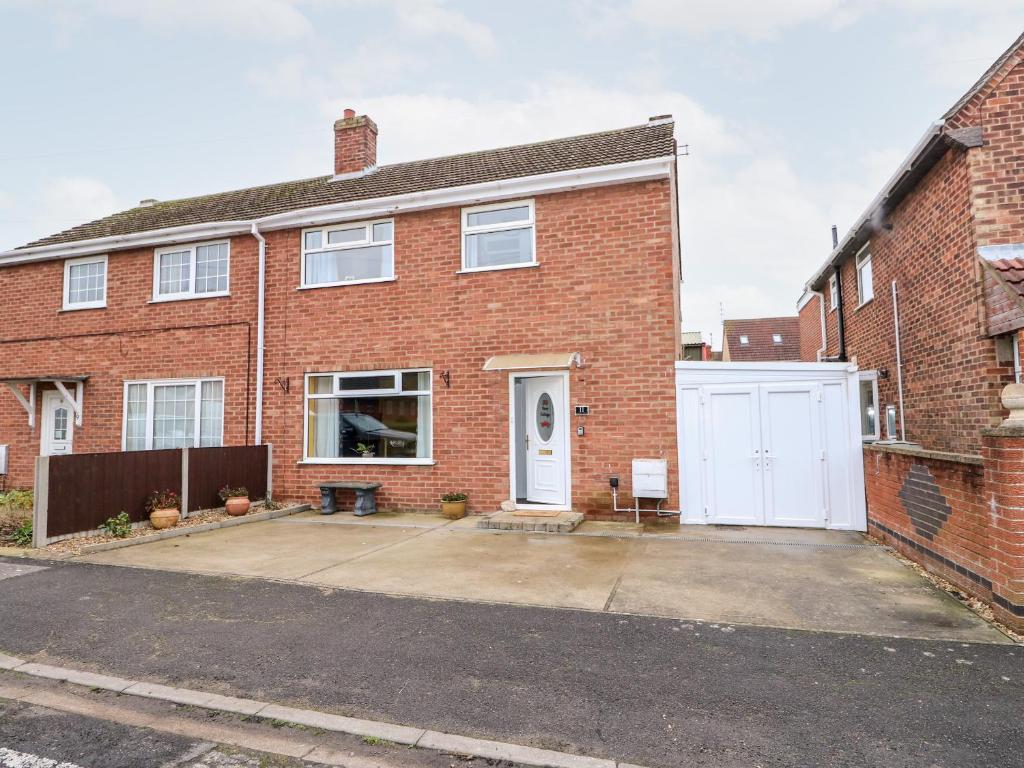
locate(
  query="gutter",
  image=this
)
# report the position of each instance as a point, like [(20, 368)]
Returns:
[(260, 298), (932, 138)]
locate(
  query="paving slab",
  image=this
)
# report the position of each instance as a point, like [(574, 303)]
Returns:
[(383, 519), (859, 589), (273, 549), (529, 569)]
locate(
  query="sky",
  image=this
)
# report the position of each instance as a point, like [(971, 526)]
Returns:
[(794, 112)]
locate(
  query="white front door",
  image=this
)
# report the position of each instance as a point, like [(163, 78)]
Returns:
[(58, 425), (546, 444), (733, 455), (792, 455)]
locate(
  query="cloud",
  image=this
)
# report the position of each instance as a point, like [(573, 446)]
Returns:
[(257, 19), (70, 200), (432, 18)]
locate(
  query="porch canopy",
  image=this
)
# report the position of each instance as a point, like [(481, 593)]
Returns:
[(14, 383), (531, 362)]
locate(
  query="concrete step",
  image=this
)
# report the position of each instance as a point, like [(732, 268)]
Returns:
[(563, 522)]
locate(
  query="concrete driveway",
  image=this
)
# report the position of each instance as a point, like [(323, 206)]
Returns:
[(814, 580)]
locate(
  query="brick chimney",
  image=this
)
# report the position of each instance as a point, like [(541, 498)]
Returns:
[(355, 143)]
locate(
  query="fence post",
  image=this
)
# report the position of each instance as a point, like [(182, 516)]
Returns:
[(184, 483), (270, 472), (40, 501)]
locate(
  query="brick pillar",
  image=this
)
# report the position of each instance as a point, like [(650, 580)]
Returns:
[(1003, 454)]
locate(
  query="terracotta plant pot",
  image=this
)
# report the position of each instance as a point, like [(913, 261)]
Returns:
[(453, 510), (164, 518), (237, 506)]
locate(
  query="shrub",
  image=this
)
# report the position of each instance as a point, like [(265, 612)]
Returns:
[(454, 496), (22, 534), (227, 492), (16, 499), (119, 527), (163, 500)]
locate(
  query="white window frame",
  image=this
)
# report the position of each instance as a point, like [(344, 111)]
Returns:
[(504, 226), (191, 292), (68, 306), (864, 257), (871, 376), (324, 247), (150, 384), (386, 392), (833, 294)]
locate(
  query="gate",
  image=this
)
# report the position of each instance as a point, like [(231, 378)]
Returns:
[(770, 444)]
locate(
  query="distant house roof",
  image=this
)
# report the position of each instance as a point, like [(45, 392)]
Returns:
[(761, 339), (641, 142)]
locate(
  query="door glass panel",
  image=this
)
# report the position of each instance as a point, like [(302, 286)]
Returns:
[(60, 424), (545, 417)]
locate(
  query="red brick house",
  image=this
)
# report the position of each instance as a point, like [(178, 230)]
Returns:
[(761, 339), (924, 295), (431, 325), (929, 254)]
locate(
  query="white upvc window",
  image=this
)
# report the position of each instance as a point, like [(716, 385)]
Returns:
[(869, 426), (865, 281), (195, 271), (348, 254), (499, 236), (173, 413), (85, 282), (833, 294), (368, 417)]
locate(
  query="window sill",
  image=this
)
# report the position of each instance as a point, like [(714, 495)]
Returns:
[(864, 304), (83, 307), (368, 281), (190, 297), (370, 462), (473, 270)]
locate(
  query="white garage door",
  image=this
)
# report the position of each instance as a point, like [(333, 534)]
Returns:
[(770, 444)]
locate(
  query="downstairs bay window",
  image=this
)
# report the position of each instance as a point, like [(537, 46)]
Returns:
[(176, 413), (375, 417)]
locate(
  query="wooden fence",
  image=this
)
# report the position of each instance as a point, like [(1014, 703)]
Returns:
[(74, 494)]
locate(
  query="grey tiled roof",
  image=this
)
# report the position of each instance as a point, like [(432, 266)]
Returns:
[(624, 145)]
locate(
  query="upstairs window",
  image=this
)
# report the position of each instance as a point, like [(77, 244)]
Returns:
[(833, 294), (498, 236), (344, 254), (191, 271), (85, 283), (865, 281)]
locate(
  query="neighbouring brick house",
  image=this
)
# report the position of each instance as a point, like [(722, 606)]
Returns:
[(761, 339), (924, 295), (430, 325)]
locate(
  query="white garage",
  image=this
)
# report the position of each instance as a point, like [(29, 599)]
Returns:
[(770, 444)]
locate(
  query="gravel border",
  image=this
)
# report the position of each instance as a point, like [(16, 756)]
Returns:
[(171, 533)]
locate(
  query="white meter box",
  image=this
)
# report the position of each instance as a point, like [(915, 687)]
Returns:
[(650, 478)]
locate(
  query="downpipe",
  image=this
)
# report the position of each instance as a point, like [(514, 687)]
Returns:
[(260, 300)]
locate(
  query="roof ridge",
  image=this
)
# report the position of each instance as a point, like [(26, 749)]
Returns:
[(982, 81), (379, 168)]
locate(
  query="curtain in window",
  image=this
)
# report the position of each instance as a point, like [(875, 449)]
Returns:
[(323, 429)]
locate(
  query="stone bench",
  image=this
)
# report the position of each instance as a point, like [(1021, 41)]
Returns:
[(366, 497)]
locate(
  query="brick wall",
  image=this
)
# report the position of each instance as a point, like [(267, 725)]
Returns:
[(951, 375), (606, 287), (810, 330), (131, 338), (959, 516)]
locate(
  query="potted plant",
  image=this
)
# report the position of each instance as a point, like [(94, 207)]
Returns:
[(453, 505), (236, 500), (164, 509), (366, 451)]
